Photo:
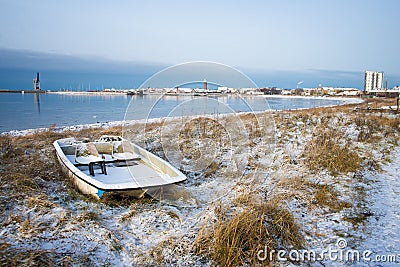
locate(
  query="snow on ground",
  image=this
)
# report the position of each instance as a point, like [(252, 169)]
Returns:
[(382, 230), (146, 232)]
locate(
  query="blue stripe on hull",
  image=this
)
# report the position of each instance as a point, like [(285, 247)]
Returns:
[(100, 193)]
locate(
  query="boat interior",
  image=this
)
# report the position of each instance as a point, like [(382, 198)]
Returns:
[(113, 160)]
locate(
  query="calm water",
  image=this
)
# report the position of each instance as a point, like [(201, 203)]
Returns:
[(26, 111)]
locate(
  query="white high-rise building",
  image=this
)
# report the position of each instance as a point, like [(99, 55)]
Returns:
[(373, 80)]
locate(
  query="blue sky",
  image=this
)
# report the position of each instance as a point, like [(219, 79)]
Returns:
[(271, 37)]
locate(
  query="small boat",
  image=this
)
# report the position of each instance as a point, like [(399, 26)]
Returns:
[(113, 164)]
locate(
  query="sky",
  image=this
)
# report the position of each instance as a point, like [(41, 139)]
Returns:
[(276, 41)]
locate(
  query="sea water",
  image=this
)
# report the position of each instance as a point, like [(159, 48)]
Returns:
[(27, 111)]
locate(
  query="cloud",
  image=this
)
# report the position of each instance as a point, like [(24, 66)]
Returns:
[(26, 59), (18, 67)]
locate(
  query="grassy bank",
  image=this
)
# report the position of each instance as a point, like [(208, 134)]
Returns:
[(305, 192)]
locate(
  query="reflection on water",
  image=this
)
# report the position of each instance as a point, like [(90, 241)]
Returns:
[(36, 101)]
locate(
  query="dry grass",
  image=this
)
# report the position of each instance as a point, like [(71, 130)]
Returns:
[(308, 193), (234, 240), (325, 151), (12, 257), (169, 252), (357, 218), (326, 196), (373, 128), (125, 217), (202, 127), (87, 216), (26, 228), (40, 203), (293, 188), (120, 200), (154, 126), (211, 169), (245, 197), (252, 124)]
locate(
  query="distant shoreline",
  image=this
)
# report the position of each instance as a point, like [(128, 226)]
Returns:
[(61, 92), (182, 94), (21, 91), (87, 93), (347, 99)]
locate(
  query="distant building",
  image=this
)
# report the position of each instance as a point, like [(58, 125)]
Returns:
[(36, 83), (205, 85), (250, 91), (271, 91), (326, 91), (373, 80), (346, 91)]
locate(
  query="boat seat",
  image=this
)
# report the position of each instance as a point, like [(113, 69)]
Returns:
[(104, 147), (122, 150), (87, 154), (102, 165)]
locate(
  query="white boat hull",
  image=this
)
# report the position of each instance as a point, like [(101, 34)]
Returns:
[(150, 172)]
